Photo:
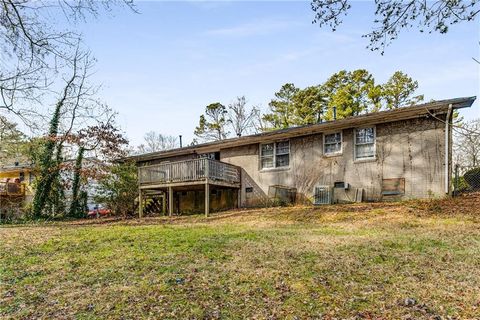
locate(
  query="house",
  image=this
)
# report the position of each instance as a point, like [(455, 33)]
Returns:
[(398, 154), (15, 187), (16, 180), (16, 184)]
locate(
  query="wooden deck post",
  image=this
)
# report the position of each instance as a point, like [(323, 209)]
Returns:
[(140, 203), (207, 198), (164, 204), (170, 201), (239, 197)]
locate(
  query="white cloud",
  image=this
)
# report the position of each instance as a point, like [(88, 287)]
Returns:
[(255, 28)]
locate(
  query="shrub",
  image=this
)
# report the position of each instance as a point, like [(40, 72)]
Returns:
[(118, 189)]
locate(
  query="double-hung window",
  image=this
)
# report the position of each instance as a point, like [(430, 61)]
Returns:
[(332, 143), (365, 143), (275, 155)]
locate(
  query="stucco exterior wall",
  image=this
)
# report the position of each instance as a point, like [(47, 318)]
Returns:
[(412, 149)]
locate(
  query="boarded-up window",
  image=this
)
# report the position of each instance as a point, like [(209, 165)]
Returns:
[(395, 186)]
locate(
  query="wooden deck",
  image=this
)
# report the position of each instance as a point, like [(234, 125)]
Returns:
[(12, 189), (183, 173)]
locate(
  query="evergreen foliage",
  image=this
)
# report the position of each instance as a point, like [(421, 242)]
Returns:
[(344, 94)]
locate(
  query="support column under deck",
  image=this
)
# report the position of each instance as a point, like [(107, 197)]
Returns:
[(170, 201), (164, 204), (207, 199), (140, 203)]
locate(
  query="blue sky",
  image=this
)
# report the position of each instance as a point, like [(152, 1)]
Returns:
[(160, 68)]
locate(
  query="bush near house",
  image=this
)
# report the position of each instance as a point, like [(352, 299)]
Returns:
[(118, 189)]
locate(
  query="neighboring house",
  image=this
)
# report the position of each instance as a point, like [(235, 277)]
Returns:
[(16, 184), (16, 180), (399, 154), (15, 188)]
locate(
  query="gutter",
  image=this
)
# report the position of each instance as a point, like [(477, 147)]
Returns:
[(447, 149)]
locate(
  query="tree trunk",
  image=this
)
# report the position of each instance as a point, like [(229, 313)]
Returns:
[(48, 168), (75, 207)]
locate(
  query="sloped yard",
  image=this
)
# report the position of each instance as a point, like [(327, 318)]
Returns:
[(415, 260)]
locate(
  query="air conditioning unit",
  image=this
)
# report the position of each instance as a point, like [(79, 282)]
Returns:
[(322, 195)]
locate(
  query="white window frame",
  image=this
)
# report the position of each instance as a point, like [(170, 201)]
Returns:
[(374, 144), (260, 157), (336, 153)]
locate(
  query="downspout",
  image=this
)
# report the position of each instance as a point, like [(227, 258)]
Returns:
[(447, 149)]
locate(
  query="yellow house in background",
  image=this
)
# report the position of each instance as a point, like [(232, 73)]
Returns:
[(16, 181)]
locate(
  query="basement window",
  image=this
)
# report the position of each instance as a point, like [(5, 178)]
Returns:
[(365, 143), (275, 155)]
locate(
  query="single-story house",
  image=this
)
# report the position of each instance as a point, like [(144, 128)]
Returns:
[(397, 154)]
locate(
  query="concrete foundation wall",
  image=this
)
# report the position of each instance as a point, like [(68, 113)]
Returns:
[(412, 150)]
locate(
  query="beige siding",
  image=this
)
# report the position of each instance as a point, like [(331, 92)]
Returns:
[(413, 150)]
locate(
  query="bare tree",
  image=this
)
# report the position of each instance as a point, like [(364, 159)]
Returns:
[(240, 118), (155, 141), (32, 50), (393, 16), (467, 143), (75, 109), (258, 121)]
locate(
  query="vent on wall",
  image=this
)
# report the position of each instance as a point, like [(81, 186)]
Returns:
[(322, 195)]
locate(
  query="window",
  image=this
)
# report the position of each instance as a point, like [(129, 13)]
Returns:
[(275, 155), (267, 156), (282, 154), (332, 143), (365, 143)]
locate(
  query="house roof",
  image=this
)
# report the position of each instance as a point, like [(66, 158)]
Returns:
[(404, 113), (14, 168)]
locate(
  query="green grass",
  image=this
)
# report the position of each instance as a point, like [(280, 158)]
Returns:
[(277, 263)]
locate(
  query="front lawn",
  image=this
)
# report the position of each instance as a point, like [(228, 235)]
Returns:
[(415, 259)]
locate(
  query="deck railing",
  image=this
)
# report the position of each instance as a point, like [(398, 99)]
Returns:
[(189, 171), (13, 189)]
